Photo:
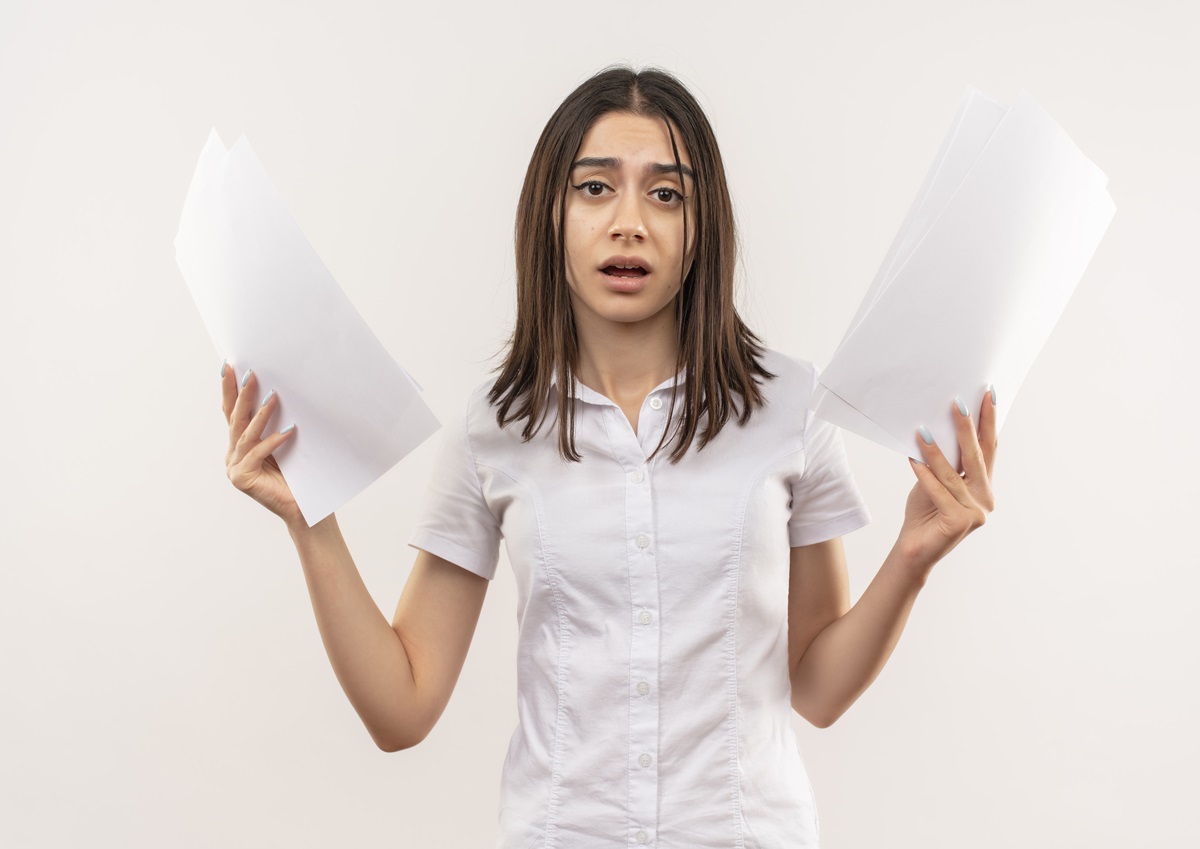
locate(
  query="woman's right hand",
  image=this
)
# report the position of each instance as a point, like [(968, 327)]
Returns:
[(248, 460)]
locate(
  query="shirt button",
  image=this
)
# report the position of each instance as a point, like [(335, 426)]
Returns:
[(656, 403), (638, 476), (642, 540), (643, 688), (645, 760), (645, 618), (642, 837)]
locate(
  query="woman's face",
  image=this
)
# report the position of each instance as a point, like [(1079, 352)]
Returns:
[(624, 220)]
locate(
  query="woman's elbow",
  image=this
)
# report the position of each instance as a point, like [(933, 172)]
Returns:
[(402, 736), (398, 744), (817, 715), (823, 720)]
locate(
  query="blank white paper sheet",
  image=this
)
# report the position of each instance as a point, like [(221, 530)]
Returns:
[(270, 304), (993, 246)]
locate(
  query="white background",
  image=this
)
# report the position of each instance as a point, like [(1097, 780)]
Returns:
[(164, 683)]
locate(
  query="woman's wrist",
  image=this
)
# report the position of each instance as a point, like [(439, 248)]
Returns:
[(911, 568), (302, 534)]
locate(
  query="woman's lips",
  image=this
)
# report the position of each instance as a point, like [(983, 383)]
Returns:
[(624, 279), (622, 273)]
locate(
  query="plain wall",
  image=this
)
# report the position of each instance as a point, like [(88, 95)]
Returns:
[(164, 680)]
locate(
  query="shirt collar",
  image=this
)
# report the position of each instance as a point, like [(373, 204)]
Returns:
[(591, 396)]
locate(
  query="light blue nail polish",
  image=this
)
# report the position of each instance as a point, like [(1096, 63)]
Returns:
[(992, 390), (245, 377), (288, 428), (962, 408), (224, 363), (265, 400), (926, 435)]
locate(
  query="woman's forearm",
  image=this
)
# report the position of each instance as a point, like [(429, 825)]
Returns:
[(944, 506), (848, 654), (368, 657)]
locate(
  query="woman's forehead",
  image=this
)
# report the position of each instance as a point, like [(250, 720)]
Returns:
[(635, 138)]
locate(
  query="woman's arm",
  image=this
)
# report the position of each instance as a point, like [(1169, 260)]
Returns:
[(398, 677), (835, 650)]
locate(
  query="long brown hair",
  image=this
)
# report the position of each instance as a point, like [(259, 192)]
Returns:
[(718, 354)]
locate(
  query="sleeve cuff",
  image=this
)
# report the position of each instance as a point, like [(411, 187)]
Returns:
[(476, 562), (830, 528)]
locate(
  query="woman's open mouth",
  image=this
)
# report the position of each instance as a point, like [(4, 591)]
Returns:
[(625, 273), (622, 279)]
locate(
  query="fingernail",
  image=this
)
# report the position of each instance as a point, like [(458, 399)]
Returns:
[(288, 428), (992, 390), (265, 400), (926, 435), (224, 363), (962, 408), (245, 377)]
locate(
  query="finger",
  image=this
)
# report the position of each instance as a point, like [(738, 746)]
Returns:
[(942, 469), (934, 488), (970, 453), (246, 471), (976, 475), (988, 438), (228, 389), (259, 454), (239, 417), (258, 422)]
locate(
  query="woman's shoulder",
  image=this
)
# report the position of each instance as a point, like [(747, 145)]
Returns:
[(481, 422), (477, 410), (795, 378), (786, 413)]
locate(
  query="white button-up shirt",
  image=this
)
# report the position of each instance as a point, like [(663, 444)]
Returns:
[(653, 689)]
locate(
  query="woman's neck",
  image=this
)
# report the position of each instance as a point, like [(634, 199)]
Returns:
[(624, 362)]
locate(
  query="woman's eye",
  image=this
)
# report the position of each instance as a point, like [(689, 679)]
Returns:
[(667, 195), (592, 188)]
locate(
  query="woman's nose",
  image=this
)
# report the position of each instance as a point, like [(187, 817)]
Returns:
[(627, 220)]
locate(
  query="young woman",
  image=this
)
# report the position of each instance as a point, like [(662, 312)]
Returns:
[(672, 512)]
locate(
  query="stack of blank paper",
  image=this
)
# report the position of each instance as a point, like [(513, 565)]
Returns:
[(271, 305), (983, 266)]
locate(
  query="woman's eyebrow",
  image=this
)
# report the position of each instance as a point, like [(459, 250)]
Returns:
[(612, 162), (670, 168)]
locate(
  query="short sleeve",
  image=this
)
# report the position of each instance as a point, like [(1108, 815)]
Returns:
[(456, 523), (826, 502)]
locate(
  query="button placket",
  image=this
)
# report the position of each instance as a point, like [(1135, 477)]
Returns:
[(642, 563), (651, 424)]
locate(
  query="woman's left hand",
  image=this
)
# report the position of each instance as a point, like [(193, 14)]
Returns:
[(946, 505)]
